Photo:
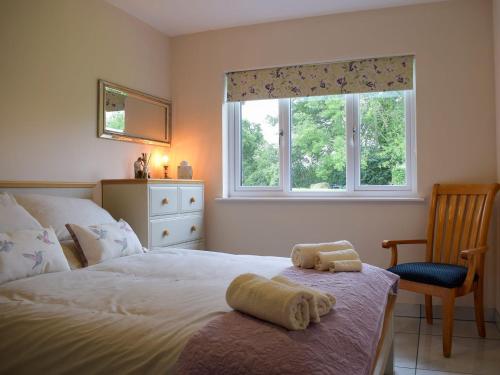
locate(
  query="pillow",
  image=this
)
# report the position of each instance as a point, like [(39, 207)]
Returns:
[(14, 217), (58, 211), (30, 252), (72, 254), (97, 243)]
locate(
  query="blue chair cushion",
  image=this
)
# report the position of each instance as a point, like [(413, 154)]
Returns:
[(441, 274)]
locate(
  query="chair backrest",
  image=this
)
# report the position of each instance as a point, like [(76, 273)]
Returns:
[(459, 219)]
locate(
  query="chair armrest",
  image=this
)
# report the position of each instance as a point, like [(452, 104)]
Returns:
[(472, 262), (393, 245), (467, 254), (390, 243)]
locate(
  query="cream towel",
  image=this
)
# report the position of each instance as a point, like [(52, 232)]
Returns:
[(323, 259), (346, 266), (269, 300), (303, 254), (323, 301)]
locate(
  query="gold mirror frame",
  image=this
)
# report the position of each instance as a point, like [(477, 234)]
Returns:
[(104, 133)]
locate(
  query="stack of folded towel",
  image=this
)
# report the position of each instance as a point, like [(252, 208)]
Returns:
[(279, 300), (337, 256), (323, 301)]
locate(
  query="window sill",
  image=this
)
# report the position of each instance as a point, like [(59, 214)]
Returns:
[(321, 199)]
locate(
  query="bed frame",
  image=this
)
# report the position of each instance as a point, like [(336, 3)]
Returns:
[(384, 359), (66, 189), (384, 363)]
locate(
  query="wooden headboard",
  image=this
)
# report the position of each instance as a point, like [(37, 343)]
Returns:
[(66, 189)]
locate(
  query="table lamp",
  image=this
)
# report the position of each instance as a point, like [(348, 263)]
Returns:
[(164, 161)]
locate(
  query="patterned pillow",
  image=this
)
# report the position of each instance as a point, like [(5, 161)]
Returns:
[(30, 252), (97, 243), (72, 254)]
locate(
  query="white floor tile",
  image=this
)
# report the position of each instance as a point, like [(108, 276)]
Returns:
[(405, 350), (429, 372), (461, 328), (407, 310), (406, 325), (469, 356), (404, 371)]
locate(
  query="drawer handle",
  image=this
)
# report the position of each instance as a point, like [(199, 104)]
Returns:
[(166, 233), (192, 200), (165, 201), (193, 229)]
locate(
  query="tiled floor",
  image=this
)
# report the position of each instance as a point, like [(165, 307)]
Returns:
[(418, 349)]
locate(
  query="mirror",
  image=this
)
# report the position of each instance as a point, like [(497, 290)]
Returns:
[(132, 116)]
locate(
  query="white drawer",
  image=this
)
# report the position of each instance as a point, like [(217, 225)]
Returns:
[(163, 200), (175, 230), (191, 198), (195, 245)]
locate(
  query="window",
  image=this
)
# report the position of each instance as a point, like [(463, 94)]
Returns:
[(115, 121), (334, 145), (259, 144)]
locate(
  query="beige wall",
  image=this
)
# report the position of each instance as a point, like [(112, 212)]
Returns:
[(52, 53), (452, 42), (496, 36)]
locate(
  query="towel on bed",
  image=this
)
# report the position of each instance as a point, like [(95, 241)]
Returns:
[(323, 259), (303, 255), (346, 266), (269, 300), (323, 301)]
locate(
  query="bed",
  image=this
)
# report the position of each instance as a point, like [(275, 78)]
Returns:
[(134, 314)]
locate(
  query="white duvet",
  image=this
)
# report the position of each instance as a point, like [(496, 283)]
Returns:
[(127, 315)]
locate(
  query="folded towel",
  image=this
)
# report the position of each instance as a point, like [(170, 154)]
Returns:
[(346, 266), (323, 259), (271, 301), (303, 254), (323, 301)]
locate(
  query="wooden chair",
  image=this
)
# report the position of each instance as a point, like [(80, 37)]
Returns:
[(457, 234)]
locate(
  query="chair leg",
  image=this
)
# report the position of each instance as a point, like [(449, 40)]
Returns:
[(428, 308), (479, 310), (448, 309)]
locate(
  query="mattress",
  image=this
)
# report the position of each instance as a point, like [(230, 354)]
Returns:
[(130, 315)]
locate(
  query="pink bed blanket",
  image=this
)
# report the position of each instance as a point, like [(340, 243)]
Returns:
[(345, 342)]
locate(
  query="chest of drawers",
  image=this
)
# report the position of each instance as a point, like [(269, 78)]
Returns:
[(163, 213)]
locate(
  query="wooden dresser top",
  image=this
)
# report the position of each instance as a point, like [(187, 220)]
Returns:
[(149, 181)]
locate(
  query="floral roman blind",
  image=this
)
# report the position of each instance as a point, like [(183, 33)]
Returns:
[(115, 100), (357, 76)]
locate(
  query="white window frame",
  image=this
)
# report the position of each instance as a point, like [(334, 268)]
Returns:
[(353, 189)]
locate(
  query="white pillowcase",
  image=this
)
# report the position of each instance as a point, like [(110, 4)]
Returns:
[(56, 212), (30, 252), (14, 217), (100, 242)]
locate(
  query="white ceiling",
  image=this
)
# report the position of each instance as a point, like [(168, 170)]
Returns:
[(177, 17)]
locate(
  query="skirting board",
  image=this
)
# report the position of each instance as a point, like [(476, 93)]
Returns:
[(461, 312)]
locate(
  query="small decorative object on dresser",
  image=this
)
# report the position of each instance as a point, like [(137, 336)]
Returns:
[(138, 168), (163, 213), (185, 171), (141, 166)]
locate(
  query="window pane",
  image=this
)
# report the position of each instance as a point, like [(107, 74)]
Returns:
[(260, 157), (318, 149), (115, 121), (382, 138)]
